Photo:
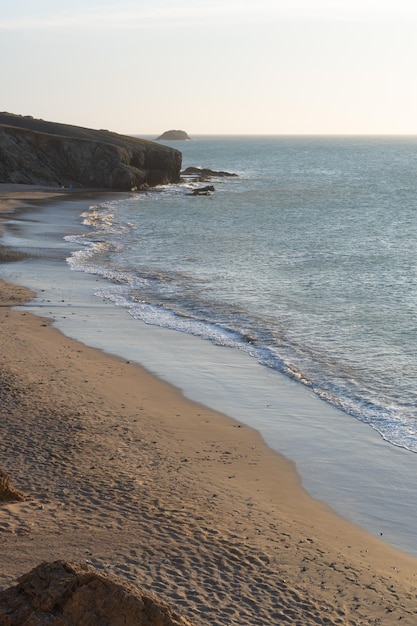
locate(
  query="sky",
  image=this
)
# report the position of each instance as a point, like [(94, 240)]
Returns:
[(213, 66)]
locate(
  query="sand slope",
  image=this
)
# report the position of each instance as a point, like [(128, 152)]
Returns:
[(124, 474)]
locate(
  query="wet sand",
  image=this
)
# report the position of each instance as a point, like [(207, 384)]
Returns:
[(122, 471)]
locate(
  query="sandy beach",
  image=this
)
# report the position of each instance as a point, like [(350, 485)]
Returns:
[(121, 471)]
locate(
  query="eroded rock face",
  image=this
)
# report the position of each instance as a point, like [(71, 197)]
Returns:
[(66, 594), (46, 153)]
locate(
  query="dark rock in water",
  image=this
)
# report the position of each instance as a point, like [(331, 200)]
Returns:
[(201, 174), (65, 594), (174, 135), (202, 191), (36, 152)]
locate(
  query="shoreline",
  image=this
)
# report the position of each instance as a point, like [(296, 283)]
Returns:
[(125, 472), (341, 461)]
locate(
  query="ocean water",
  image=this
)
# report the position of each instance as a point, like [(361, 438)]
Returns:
[(306, 261)]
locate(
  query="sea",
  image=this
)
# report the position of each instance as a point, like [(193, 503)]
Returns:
[(305, 262)]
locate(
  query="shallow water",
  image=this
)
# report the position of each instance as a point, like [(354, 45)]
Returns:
[(341, 460)]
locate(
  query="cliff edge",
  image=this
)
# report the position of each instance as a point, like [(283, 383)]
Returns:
[(36, 152)]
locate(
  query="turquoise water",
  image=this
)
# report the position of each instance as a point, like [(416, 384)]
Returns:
[(306, 261)]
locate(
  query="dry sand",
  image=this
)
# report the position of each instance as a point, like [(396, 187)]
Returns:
[(122, 472)]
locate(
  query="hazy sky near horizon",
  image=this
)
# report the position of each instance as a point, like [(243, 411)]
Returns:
[(213, 66)]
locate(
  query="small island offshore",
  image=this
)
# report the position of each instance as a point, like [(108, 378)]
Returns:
[(173, 135)]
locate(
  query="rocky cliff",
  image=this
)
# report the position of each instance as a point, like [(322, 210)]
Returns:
[(46, 153)]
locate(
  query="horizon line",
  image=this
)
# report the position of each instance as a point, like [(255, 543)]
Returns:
[(219, 134)]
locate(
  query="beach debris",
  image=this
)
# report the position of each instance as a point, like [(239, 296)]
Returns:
[(61, 593)]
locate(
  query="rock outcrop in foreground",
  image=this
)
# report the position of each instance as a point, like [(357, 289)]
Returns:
[(7, 492), (174, 135), (36, 152), (65, 594)]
